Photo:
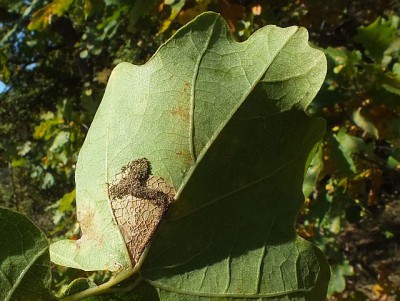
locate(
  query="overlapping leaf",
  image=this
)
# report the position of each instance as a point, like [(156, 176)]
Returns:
[(223, 123), (24, 259)]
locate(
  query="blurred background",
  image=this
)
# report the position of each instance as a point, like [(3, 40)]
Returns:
[(55, 60)]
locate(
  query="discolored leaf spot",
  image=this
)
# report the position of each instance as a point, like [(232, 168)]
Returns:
[(86, 222), (139, 202), (185, 156), (181, 112)]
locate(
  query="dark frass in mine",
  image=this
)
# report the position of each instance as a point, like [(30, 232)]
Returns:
[(139, 201), (134, 182)]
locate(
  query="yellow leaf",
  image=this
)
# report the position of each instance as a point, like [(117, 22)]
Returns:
[(4, 71), (377, 289), (44, 129), (256, 10), (103, 75), (41, 19), (176, 7)]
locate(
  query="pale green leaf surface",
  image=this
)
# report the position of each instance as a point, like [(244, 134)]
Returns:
[(365, 124), (238, 180), (59, 141), (24, 259)]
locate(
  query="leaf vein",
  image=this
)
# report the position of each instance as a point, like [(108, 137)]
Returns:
[(226, 195), (160, 286), (192, 95), (23, 273)]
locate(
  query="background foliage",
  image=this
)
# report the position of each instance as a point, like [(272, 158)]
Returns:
[(55, 59)]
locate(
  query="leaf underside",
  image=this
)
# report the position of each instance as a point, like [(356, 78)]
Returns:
[(224, 124)]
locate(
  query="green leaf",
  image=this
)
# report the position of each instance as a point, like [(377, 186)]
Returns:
[(391, 80), (338, 280), (394, 159), (76, 286), (24, 259), (231, 234), (140, 9), (59, 141), (66, 201), (349, 145), (365, 124), (46, 128), (343, 61), (84, 54), (378, 36), (48, 181), (224, 124), (91, 7), (313, 171)]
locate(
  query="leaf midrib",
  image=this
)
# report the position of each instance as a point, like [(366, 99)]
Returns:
[(228, 118), (241, 188), (192, 94), (23, 273), (226, 295)]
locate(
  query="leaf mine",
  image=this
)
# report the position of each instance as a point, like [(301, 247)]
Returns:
[(139, 201)]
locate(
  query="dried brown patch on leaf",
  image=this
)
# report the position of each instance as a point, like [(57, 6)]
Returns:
[(181, 112), (185, 156), (85, 219), (139, 202)]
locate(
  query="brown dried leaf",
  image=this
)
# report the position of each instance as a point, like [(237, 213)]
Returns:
[(232, 13)]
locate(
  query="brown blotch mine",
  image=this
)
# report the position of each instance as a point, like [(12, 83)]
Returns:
[(185, 156), (186, 88), (87, 225), (182, 112), (139, 201)]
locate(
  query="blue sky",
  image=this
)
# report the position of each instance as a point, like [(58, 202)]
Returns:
[(2, 86)]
